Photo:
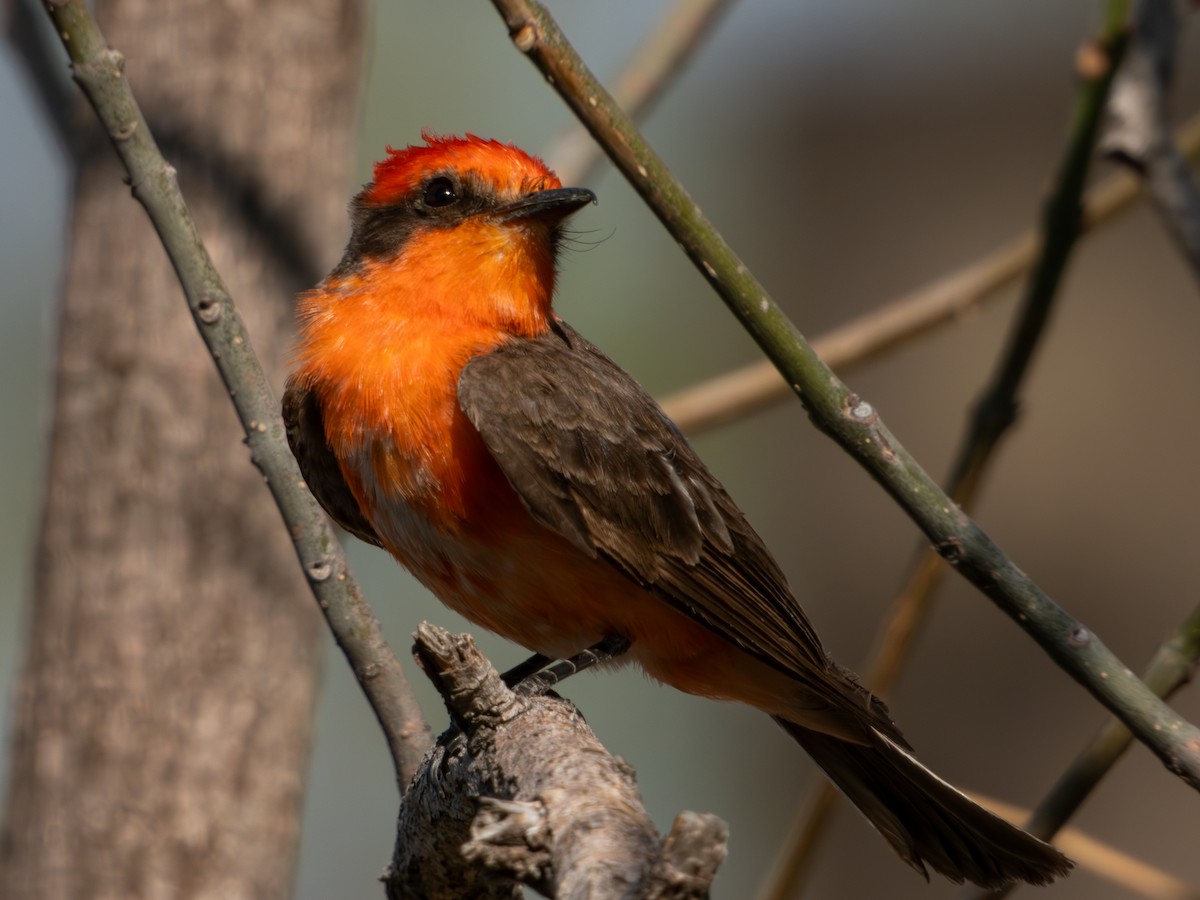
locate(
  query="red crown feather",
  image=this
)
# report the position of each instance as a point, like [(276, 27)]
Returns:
[(505, 166)]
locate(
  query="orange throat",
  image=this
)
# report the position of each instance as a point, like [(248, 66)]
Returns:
[(383, 348)]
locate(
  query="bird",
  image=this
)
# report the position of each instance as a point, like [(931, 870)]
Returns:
[(439, 408)]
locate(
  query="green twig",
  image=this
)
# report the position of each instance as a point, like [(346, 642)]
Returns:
[(995, 412), (99, 71), (844, 416), (1171, 669)]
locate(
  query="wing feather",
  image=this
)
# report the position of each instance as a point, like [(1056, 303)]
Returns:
[(594, 457), (305, 428)]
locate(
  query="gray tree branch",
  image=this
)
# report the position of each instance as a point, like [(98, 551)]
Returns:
[(522, 792)]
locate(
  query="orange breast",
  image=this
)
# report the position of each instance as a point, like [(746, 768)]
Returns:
[(387, 378)]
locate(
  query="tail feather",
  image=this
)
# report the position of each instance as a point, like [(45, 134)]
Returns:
[(926, 820)]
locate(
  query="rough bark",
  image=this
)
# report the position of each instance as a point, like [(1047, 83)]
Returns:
[(163, 717), (522, 792)]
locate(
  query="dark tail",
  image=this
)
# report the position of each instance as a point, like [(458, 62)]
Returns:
[(926, 820)]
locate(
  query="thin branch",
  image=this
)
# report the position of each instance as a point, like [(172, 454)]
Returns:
[(1171, 668), (656, 62), (1139, 133), (994, 412), (734, 395), (843, 415), (99, 72), (997, 408)]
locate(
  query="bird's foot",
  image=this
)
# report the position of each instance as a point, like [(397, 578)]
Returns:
[(534, 677)]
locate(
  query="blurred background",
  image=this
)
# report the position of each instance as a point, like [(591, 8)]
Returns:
[(849, 153)]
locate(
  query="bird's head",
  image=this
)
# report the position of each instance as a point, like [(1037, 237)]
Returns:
[(475, 221)]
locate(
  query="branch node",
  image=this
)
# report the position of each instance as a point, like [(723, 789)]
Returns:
[(110, 61), (691, 853), (525, 37), (125, 131), (319, 570), (511, 822), (107, 63), (474, 693), (951, 550), (511, 837), (208, 309), (521, 864), (860, 411)]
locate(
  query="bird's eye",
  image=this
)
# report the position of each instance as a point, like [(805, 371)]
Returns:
[(440, 193)]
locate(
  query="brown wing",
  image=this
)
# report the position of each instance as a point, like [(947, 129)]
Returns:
[(594, 457), (306, 436)]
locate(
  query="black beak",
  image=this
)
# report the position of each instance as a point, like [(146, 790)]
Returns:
[(555, 204)]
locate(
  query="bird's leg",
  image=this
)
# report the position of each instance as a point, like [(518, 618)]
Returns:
[(523, 670), (609, 647)]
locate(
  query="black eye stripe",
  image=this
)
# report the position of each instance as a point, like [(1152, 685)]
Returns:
[(440, 192)]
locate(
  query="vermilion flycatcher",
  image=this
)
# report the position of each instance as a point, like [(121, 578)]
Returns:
[(441, 410)]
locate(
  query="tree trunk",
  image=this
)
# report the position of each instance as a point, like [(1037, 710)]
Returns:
[(163, 718)]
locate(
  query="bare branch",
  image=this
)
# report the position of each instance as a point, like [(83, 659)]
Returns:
[(691, 854), (843, 415), (1170, 669), (1139, 132), (996, 410), (99, 71), (555, 811)]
